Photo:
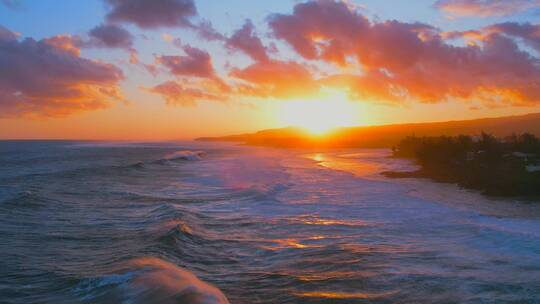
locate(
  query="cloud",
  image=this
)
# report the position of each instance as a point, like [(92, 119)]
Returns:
[(332, 21), (150, 14), (6, 34), (167, 37), (41, 78), (110, 36), (529, 33), (12, 4), (525, 32), (273, 78), (176, 94), (206, 31), (408, 61), (248, 42), (68, 43), (102, 36), (196, 63), (485, 8)]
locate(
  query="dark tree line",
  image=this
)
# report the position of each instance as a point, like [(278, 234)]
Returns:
[(456, 147), (498, 166)]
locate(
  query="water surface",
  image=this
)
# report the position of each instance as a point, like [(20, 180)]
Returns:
[(82, 222)]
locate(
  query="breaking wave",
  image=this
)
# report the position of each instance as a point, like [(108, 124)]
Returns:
[(185, 155), (150, 280)]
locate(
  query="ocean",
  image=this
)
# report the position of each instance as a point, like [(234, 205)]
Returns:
[(191, 222)]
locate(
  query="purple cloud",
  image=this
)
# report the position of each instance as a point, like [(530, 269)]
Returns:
[(529, 33), (248, 42), (6, 34), (110, 36), (196, 62), (153, 13)]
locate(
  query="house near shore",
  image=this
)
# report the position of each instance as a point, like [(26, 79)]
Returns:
[(531, 160), (532, 168), (524, 156)]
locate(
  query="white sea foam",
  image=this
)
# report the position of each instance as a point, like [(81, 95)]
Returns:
[(164, 282), (152, 280), (185, 155)]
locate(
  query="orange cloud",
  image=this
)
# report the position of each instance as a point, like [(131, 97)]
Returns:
[(48, 78), (68, 43), (485, 8), (175, 93), (403, 61), (273, 78)]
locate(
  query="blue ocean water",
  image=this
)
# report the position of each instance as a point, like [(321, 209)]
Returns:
[(188, 222)]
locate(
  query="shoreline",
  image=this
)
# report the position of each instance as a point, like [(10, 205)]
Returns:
[(446, 179)]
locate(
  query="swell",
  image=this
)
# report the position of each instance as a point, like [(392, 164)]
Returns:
[(25, 199), (238, 195), (180, 156), (194, 239)]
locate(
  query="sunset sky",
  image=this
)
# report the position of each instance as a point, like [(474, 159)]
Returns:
[(179, 69)]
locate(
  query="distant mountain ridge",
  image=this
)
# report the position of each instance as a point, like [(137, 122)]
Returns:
[(386, 135)]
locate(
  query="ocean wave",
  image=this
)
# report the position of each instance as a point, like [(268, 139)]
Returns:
[(137, 165), (24, 199), (150, 280), (185, 155), (83, 171), (118, 167), (180, 231), (188, 238)]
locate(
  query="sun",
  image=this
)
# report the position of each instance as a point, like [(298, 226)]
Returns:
[(319, 116)]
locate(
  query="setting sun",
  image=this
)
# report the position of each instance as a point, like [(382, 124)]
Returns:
[(318, 116)]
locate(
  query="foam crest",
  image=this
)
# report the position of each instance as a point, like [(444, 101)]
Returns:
[(185, 155), (158, 281)]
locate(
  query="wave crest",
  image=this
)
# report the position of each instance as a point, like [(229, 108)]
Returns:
[(185, 155), (164, 282), (153, 280)]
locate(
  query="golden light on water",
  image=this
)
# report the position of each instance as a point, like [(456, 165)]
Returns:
[(319, 116), (340, 295), (345, 163)]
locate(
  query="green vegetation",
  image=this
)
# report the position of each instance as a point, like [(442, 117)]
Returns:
[(505, 167)]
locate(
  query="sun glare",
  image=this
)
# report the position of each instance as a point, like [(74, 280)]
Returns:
[(319, 116)]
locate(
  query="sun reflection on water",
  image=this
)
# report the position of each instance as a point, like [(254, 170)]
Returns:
[(344, 163), (340, 295)]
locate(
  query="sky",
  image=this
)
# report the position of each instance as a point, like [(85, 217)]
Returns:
[(180, 69)]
